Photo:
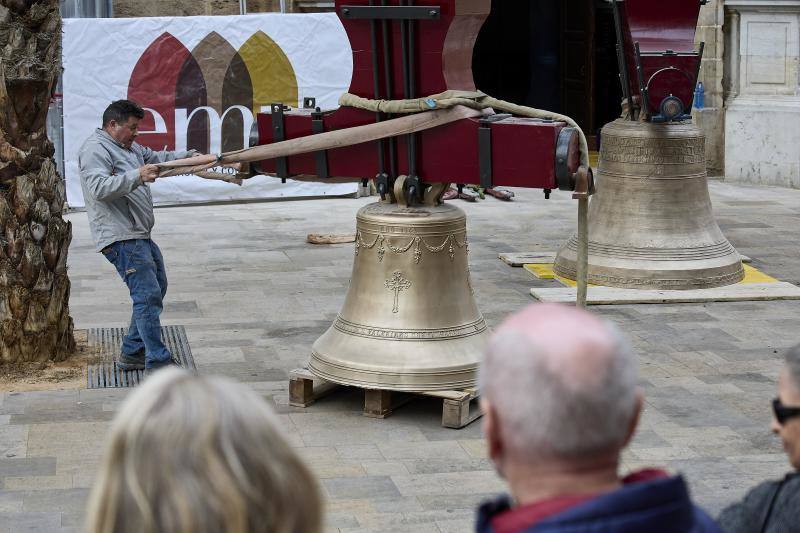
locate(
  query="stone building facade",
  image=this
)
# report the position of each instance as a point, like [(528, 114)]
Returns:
[(751, 74), (712, 116), (761, 84)]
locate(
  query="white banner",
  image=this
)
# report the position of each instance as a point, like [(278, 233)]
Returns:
[(201, 80)]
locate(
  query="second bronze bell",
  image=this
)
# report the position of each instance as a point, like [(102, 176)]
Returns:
[(651, 222)]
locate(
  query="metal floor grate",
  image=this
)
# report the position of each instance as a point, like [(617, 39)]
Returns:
[(108, 341)]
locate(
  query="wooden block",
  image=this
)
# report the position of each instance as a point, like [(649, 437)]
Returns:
[(303, 373), (455, 395), (456, 406), (456, 414), (301, 392), (326, 238), (518, 259), (377, 403), (732, 293)]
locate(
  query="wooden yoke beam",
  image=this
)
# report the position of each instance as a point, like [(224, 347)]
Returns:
[(324, 141)]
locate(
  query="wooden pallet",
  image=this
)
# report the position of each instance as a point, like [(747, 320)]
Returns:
[(459, 408)]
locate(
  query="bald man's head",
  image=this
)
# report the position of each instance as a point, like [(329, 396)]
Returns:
[(561, 383)]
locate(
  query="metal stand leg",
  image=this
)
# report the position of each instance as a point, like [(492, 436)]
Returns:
[(583, 251), (584, 187)]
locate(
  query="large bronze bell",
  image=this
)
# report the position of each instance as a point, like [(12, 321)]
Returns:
[(409, 321), (651, 223)]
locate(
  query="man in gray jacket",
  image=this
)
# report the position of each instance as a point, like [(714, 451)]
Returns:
[(115, 173), (774, 506)]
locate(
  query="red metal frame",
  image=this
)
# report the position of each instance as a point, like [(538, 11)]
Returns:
[(659, 27), (523, 150)]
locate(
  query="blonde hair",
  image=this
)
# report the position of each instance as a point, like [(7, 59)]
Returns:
[(191, 454)]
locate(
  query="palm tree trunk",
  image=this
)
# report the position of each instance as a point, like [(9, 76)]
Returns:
[(34, 238)]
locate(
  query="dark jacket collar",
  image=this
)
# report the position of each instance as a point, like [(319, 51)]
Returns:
[(655, 506)]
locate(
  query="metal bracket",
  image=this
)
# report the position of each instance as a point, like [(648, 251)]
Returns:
[(413, 188), (497, 117), (584, 184), (390, 12), (623, 65), (485, 153), (278, 135), (642, 85), (564, 178), (254, 138), (382, 184), (321, 156)]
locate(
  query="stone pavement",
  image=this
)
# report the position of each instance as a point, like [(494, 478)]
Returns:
[(254, 296)]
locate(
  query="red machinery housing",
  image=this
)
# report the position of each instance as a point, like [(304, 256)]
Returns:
[(658, 63), (407, 49)]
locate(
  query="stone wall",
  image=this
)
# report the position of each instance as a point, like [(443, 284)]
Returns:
[(177, 8), (711, 119), (762, 108)]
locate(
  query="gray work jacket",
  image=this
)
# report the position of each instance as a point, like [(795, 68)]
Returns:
[(119, 205), (771, 507)]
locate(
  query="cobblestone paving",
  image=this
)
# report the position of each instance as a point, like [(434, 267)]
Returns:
[(253, 297)]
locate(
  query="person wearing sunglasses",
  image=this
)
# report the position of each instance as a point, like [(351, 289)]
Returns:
[(774, 506)]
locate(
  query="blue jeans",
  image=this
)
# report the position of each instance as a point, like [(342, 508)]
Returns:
[(141, 266)]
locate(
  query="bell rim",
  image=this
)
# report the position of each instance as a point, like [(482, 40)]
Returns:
[(659, 279), (393, 380)]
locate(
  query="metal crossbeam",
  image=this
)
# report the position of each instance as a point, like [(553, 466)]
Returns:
[(390, 12)]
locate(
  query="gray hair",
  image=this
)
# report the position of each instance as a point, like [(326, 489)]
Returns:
[(793, 364), (551, 413), (191, 454)]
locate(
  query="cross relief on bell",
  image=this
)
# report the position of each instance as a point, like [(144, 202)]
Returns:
[(397, 283)]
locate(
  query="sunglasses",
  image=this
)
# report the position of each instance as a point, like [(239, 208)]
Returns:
[(782, 412)]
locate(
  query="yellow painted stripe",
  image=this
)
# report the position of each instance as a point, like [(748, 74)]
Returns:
[(545, 271), (541, 270), (753, 275), (594, 157)]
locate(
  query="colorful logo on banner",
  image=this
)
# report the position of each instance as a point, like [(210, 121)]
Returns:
[(206, 99)]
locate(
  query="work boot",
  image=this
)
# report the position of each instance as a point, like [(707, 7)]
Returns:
[(153, 369), (131, 362)]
